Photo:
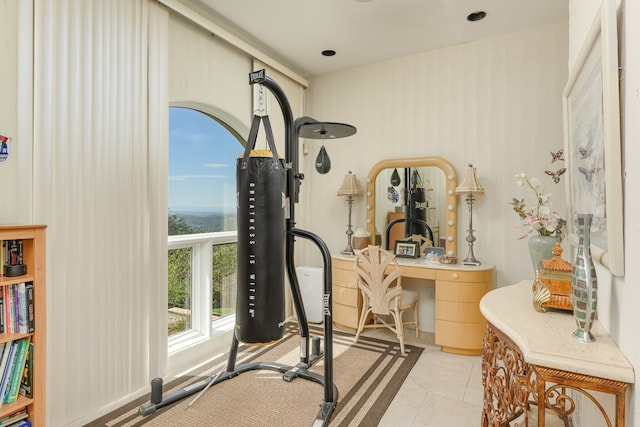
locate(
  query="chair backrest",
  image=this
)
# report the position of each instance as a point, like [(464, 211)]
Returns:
[(380, 289)]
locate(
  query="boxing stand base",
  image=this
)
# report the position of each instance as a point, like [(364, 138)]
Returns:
[(309, 354), (289, 373)]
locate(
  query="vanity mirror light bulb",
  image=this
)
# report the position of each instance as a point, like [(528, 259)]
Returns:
[(450, 222), (450, 177), (368, 180), (450, 253), (450, 238), (450, 207), (368, 220), (368, 193), (368, 207), (450, 192)]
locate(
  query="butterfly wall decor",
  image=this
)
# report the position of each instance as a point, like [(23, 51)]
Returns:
[(558, 155), (556, 175)]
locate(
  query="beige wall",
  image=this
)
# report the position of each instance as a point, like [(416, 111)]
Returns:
[(495, 103)]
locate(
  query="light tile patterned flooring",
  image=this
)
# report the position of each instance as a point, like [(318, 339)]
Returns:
[(442, 390)]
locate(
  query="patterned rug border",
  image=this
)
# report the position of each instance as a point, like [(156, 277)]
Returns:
[(247, 354)]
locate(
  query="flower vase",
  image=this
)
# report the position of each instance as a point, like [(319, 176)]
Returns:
[(541, 248), (584, 289)]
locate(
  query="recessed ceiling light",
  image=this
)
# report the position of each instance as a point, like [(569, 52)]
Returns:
[(328, 52), (476, 16)]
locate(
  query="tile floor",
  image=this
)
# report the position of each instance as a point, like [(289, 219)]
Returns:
[(442, 390)]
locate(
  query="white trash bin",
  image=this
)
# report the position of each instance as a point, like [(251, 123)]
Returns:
[(310, 280)]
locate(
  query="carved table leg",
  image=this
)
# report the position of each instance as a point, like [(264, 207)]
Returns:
[(506, 380)]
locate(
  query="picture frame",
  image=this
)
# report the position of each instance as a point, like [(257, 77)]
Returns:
[(436, 250), (592, 141), (406, 249)]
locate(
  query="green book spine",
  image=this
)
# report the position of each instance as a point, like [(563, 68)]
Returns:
[(16, 375)]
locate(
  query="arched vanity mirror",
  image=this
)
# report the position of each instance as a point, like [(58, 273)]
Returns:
[(388, 185)]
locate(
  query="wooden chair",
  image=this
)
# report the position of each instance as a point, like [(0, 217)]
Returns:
[(383, 294)]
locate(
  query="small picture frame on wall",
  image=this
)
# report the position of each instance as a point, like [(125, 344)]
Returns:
[(406, 249)]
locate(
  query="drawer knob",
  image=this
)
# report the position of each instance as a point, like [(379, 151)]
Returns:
[(455, 275)]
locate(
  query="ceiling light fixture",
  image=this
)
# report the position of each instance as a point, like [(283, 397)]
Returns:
[(476, 16), (328, 52)]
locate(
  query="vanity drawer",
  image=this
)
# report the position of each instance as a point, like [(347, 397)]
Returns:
[(459, 311), (456, 336), (460, 292), (345, 317), (346, 278), (461, 276), (346, 296)]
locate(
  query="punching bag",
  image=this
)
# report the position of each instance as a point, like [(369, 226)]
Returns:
[(260, 182)]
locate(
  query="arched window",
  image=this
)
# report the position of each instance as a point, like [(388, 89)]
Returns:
[(201, 224)]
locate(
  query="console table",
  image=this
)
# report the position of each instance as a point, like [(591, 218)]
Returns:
[(530, 358), (458, 322)]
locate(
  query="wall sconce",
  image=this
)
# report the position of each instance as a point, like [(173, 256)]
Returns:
[(470, 186), (349, 188)]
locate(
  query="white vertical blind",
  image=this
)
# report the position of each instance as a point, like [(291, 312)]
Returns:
[(100, 185)]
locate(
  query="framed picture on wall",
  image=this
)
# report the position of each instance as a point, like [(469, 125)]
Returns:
[(406, 249), (592, 141)]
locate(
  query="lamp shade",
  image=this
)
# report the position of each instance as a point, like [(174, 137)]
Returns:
[(469, 183), (350, 186)]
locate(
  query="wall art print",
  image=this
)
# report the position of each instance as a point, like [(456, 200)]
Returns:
[(592, 141)]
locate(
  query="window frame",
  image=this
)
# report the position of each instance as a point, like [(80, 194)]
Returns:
[(202, 327)]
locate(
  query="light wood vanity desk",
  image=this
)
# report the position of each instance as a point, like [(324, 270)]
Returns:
[(459, 288)]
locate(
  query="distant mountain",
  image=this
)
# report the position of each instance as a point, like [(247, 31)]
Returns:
[(205, 222)]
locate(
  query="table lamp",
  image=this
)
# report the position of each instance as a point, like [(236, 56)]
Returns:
[(349, 188), (470, 186)]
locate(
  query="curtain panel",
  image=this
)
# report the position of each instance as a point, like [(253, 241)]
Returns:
[(99, 183)]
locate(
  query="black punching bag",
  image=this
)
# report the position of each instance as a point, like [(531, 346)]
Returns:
[(260, 305)]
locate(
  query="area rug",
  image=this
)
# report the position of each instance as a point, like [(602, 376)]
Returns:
[(368, 375)]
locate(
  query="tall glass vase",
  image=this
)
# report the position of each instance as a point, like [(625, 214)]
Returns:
[(584, 283), (541, 248)]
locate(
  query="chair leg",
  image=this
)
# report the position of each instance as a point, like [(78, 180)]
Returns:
[(363, 316), (399, 329), (415, 318)]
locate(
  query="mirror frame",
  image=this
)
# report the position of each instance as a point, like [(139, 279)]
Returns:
[(451, 198)]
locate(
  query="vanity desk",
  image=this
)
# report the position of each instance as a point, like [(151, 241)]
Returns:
[(530, 358), (459, 325)]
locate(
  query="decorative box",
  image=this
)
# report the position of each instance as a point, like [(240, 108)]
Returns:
[(552, 287)]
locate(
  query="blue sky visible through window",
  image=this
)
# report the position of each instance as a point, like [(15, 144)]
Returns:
[(202, 163)]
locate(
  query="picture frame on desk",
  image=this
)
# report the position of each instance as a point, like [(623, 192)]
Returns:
[(592, 149), (406, 249), (434, 252)]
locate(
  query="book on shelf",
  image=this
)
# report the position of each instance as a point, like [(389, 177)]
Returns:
[(15, 419), (17, 308), (21, 308), (21, 423), (1, 311), (12, 389), (31, 323), (8, 358), (26, 383)]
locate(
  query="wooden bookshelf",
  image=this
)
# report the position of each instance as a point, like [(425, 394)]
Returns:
[(34, 247)]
